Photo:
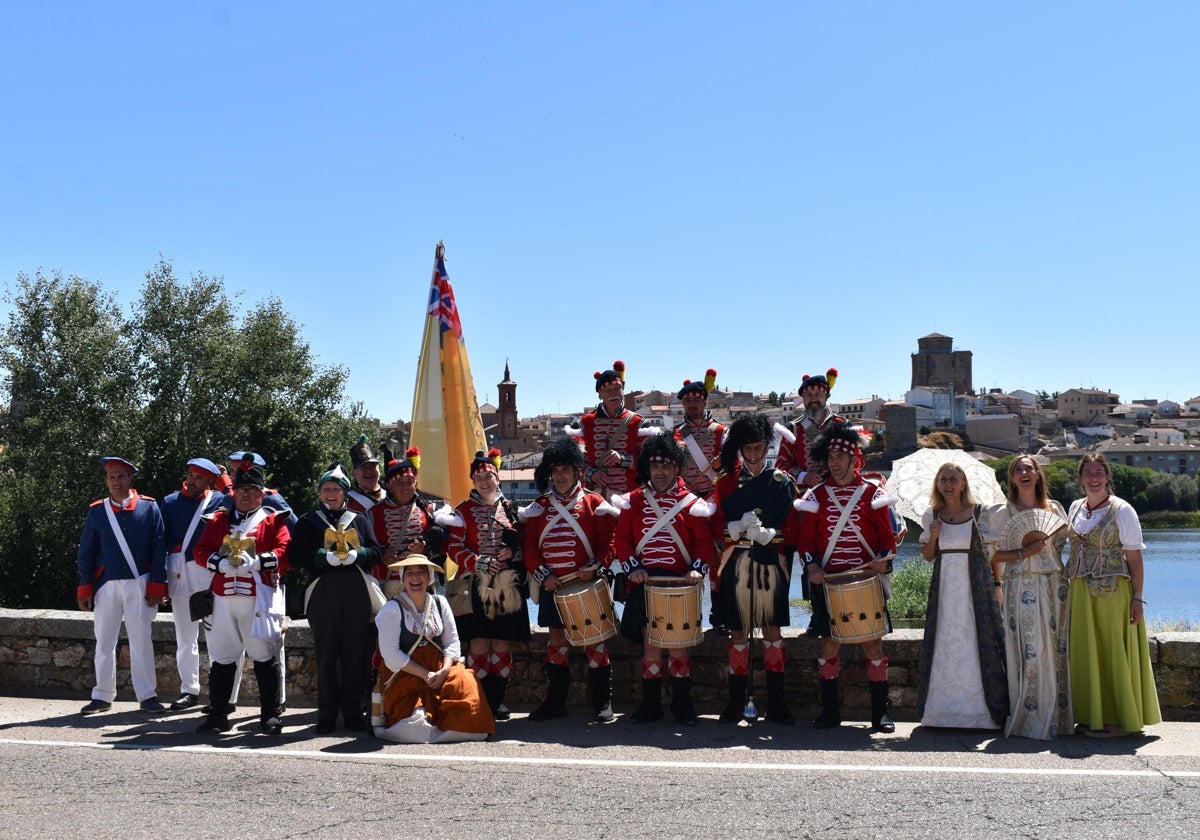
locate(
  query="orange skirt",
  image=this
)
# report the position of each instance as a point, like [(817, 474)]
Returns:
[(459, 706)]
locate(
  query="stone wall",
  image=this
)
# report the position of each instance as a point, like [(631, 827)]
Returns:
[(50, 651)]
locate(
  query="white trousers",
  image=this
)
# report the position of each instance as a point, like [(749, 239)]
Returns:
[(117, 601), (183, 579), (229, 639)]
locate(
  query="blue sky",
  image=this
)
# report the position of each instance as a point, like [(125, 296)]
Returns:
[(769, 189)]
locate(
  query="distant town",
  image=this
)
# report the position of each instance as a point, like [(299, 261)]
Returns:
[(1144, 432)]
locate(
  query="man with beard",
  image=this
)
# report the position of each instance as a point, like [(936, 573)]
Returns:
[(760, 526), (403, 522), (567, 531), (246, 550), (366, 492), (846, 525), (610, 436), (335, 544), (700, 435), (794, 450), (184, 516), (662, 531)]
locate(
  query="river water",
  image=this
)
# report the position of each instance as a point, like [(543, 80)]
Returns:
[(1171, 587)]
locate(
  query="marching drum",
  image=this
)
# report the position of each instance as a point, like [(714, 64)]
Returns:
[(673, 615), (856, 606), (586, 608)]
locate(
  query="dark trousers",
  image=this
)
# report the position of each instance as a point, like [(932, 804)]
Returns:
[(339, 613)]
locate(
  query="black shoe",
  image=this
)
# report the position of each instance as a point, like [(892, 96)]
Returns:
[(271, 726), (324, 727), (230, 708), (152, 706), (647, 714), (605, 714), (548, 712), (356, 724), (215, 723), (502, 713), (884, 724), (184, 701), (96, 706)]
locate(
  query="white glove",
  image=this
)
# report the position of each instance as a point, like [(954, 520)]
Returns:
[(351, 556), (761, 535), (749, 520), (226, 569), (332, 559), (250, 562)]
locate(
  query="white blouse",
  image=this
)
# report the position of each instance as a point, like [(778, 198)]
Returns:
[(438, 623)]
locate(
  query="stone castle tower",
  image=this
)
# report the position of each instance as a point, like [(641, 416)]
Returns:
[(937, 364)]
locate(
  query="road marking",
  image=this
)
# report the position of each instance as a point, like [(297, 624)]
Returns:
[(408, 757)]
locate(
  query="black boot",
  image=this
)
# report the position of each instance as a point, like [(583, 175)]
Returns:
[(681, 701), (267, 676), (555, 704), (830, 716), (881, 721), (651, 708), (494, 688), (777, 710), (737, 698), (220, 689), (600, 681)]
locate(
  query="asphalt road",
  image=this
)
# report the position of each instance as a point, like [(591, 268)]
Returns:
[(127, 775)]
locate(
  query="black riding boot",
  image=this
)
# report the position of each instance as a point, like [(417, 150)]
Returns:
[(267, 675), (494, 688), (681, 701), (220, 689), (777, 710), (600, 682), (651, 708), (881, 721), (737, 698), (830, 715), (555, 704)]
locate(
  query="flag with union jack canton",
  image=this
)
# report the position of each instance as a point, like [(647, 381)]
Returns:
[(446, 425)]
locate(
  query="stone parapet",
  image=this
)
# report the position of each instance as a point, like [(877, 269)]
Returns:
[(51, 651)]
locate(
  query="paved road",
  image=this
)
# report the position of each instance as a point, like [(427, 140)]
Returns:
[(126, 775)]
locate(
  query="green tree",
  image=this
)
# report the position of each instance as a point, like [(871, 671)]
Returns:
[(72, 398), (176, 380)]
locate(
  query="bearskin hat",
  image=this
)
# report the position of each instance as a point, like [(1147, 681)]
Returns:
[(562, 452), (752, 428), (842, 435), (661, 447)]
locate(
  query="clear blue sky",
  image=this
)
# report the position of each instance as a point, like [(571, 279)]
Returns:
[(767, 188)]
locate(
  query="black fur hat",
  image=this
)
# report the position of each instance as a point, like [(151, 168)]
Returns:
[(563, 452), (753, 428), (842, 435), (660, 447)]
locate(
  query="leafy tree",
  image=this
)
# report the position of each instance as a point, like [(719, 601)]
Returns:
[(72, 398), (176, 380)]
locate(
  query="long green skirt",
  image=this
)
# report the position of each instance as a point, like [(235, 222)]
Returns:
[(1111, 678)]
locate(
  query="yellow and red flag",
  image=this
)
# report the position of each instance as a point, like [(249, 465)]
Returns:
[(446, 425)]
